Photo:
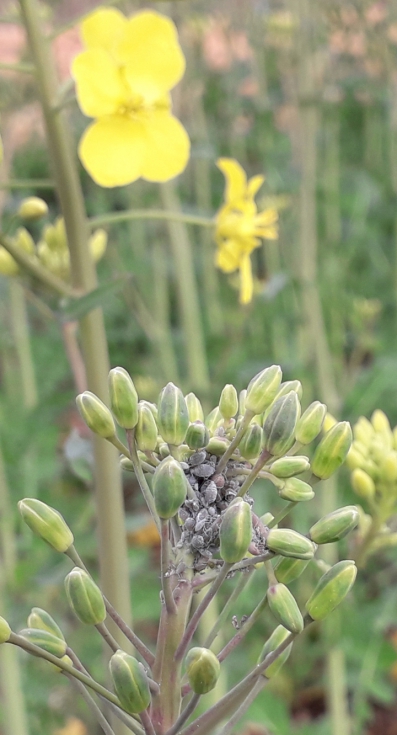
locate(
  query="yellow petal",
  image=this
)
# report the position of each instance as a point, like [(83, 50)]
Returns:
[(103, 29), (267, 217), (100, 87), (236, 179), (97, 244), (152, 54), (246, 281), (254, 185), (269, 233), (8, 266), (228, 257), (113, 149), (167, 147)]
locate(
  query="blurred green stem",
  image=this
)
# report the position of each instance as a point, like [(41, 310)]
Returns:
[(170, 216), (161, 308)]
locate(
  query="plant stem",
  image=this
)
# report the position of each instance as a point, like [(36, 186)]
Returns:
[(262, 459), (184, 716), (258, 686), (165, 578), (27, 184), (145, 489), (240, 586), (107, 637), (247, 625), (248, 416), (161, 310), (35, 269), (147, 724), (162, 214), (24, 68), (279, 516), (107, 729)]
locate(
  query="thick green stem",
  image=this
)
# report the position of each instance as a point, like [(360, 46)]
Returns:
[(165, 561)]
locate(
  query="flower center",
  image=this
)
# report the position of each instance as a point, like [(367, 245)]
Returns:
[(137, 106)]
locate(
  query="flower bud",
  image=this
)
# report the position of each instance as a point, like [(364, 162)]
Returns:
[(241, 402), (289, 466), (47, 523), (288, 569), (329, 422), (262, 389), (331, 589), (85, 597), (362, 484), (235, 532), (395, 437), (217, 445), (130, 682), (277, 637), (203, 669), (284, 607), (335, 525), (251, 442), (310, 423), (287, 386), (146, 433), (194, 408), (381, 424), (197, 435), (5, 630), (296, 490), (279, 426), (388, 470), (228, 402), (383, 542), (354, 458), (41, 619), (96, 415), (163, 450), (213, 419), (173, 417), (363, 431), (32, 208), (45, 640), (332, 450), (123, 398), (287, 542), (169, 487)]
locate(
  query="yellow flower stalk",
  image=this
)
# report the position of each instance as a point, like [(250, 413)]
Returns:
[(239, 225), (123, 80)]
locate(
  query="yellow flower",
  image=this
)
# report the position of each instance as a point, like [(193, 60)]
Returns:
[(53, 251), (24, 241), (239, 226), (123, 80)]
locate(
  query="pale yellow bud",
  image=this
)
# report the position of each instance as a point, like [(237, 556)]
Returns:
[(388, 471), (354, 459), (362, 484), (381, 424), (363, 431), (329, 422), (32, 208)]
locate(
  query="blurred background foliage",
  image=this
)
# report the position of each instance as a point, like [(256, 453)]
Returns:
[(305, 93)]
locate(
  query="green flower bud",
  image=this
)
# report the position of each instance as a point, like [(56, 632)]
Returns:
[(363, 431), (288, 569), (123, 398), (146, 433), (197, 435), (169, 487), (228, 402), (47, 523), (130, 682), (287, 386), (85, 597), (331, 589), (277, 637), (213, 419), (262, 389), (127, 465), (5, 631), (41, 619), (241, 402), (287, 542), (332, 450), (203, 669), (284, 607), (96, 415), (310, 423), (173, 417), (296, 490), (388, 470), (164, 450), (194, 408), (280, 423), (235, 531), (32, 208), (289, 466), (335, 525), (45, 640), (251, 443), (362, 484), (217, 445)]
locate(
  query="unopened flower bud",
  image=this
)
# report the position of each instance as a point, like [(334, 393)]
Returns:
[(169, 487), (5, 630), (310, 423), (388, 470), (363, 431), (284, 607), (194, 408), (362, 484), (41, 619), (96, 415), (47, 523), (289, 466), (331, 589), (277, 637), (85, 597), (213, 419), (251, 442), (146, 429), (395, 437), (197, 435), (287, 386), (202, 669), (163, 450), (287, 542), (241, 401), (217, 445), (289, 569), (173, 417), (228, 402), (235, 532), (123, 398), (280, 424), (381, 423), (32, 208), (335, 525), (354, 458), (332, 450), (262, 389), (130, 682), (329, 422), (296, 490), (45, 640)]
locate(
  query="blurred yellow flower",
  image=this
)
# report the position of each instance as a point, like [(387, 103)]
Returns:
[(239, 225), (123, 80), (53, 251), (23, 240)]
